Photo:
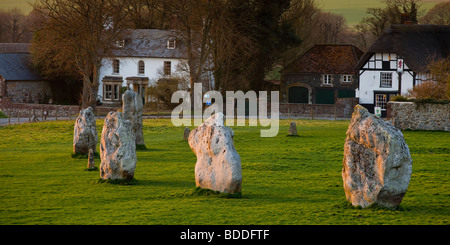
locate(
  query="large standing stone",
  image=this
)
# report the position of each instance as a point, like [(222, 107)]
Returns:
[(218, 164), (117, 148), (85, 132), (377, 165), (133, 110)]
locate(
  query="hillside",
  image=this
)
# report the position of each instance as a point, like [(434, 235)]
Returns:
[(353, 10)]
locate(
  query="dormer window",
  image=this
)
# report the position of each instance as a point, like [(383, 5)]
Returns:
[(171, 44), (120, 43)]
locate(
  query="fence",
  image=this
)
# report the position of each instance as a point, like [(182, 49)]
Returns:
[(34, 112), (343, 108)]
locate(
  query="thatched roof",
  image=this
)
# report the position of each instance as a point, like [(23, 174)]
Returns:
[(418, 45)]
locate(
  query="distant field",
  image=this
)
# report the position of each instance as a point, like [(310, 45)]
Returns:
[(353, 10)]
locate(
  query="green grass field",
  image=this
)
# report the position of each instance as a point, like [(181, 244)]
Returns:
[(286, 180)]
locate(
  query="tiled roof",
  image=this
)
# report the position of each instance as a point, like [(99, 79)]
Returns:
[(327, 59), (149, 43), (16, 67)]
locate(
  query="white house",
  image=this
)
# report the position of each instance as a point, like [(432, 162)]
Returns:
[(398, 60), (143, 57)]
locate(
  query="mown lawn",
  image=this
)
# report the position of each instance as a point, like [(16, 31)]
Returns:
[(286, 180)]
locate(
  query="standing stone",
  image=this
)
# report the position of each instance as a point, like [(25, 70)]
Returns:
[(377, 165), (133, 110), (117, 148), (85, 132), (218, 164), (292, 129), (91, 164), (186, 133)]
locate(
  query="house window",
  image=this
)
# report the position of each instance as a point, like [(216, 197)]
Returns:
[(326, 79), (141, 67), (167, 68), (116, 66), (386, 80), (381, 100), (171, 44), (111, 91), (107, 91), (347, 78)]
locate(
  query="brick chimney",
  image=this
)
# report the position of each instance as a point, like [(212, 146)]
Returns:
[(405, 19)]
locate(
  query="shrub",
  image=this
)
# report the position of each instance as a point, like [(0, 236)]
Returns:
[(2, 115), (429, 90), (399, 98), (162, 91)]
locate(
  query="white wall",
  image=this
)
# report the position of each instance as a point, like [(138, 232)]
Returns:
[(369, 80), (129, 68)]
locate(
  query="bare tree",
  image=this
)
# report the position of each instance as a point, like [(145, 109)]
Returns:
[(83, 32), (394, 12), (330, 27), (192, 22), (149, 14), (438, 15), (314, 26), (14, 26)]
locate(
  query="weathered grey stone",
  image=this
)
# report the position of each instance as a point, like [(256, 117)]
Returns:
[(293, 129), (133, 110), (377, 165), (91, 163), (218, 164), (186, 133), (117, 148), (85, 132)]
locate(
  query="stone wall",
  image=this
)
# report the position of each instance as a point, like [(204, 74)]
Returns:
[(343, 108), (28, 91), (409, 115), (28, 110)]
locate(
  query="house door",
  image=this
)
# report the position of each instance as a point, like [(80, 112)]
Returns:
[(298, 95), (324, 96)]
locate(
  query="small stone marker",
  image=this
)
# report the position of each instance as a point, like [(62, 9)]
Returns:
[(186, 133), (91, 164), (377, 165), (292, 129), (218, 164)]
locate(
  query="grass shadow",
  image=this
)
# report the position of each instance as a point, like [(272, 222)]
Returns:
[(84, 156), (132, 181), (207, 192)]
